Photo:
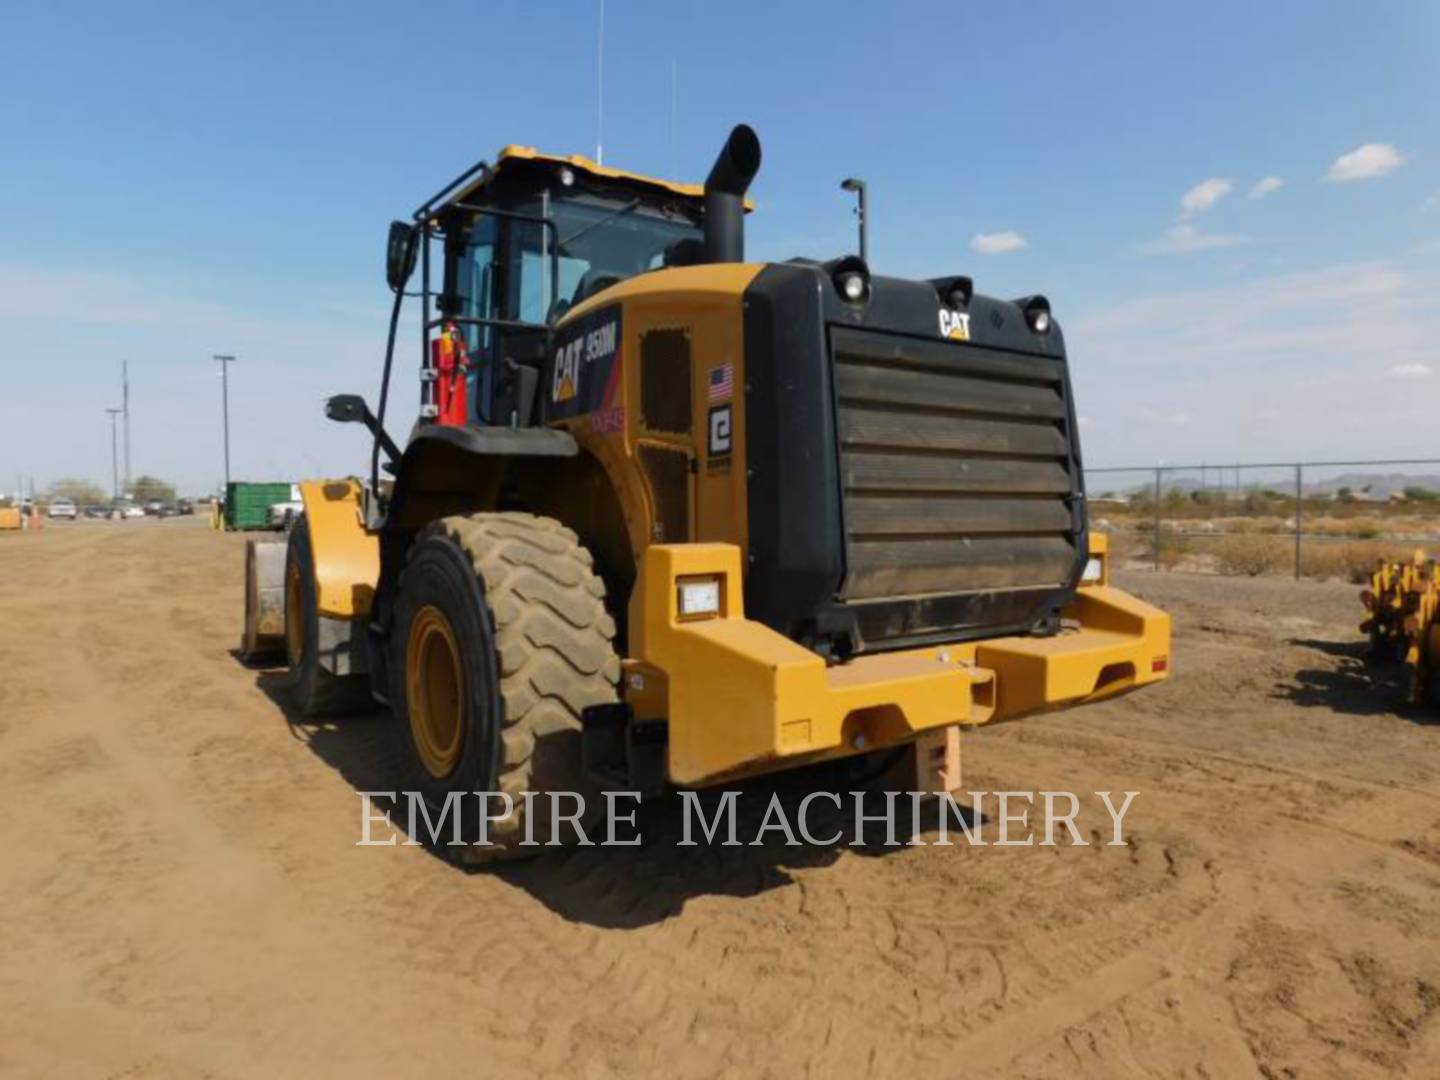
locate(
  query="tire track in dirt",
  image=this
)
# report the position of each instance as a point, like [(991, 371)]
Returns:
[(182, 883)]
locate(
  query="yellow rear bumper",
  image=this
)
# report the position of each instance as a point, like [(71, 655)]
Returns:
[(740, 698)]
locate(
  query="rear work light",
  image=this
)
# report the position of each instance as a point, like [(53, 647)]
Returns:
[(1037, 313), (698, 598), (1093, 570)]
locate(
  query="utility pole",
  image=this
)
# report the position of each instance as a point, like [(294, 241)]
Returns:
[(225, 362), (114, 457), (125, 403), (862, 208)]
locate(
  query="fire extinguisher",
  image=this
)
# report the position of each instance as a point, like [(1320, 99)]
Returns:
[(447, 354)]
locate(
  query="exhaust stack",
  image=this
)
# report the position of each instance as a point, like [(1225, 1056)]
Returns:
[(725, 188)]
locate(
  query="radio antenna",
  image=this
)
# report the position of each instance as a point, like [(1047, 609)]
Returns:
[(674, 116), (600, 89)]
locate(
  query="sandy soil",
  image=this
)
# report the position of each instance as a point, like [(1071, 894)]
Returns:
[(180, 893)]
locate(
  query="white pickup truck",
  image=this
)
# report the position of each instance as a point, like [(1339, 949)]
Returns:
[(283, 513)]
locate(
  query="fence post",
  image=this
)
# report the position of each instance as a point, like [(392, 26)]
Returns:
[(1299, 497), (1156, 544)]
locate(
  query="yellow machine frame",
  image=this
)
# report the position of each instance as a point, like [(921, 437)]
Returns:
[(740, 699)]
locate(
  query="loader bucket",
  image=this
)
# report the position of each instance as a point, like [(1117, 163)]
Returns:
[(264, 634)]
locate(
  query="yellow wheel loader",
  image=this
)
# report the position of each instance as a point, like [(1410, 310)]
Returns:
[(669, 517)]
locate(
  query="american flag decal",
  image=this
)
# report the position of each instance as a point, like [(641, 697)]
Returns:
[(722, 383)]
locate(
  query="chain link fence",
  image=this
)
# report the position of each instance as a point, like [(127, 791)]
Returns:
[(1314, 518)]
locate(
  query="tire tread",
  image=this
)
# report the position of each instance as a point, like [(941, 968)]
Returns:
[(554, 642)]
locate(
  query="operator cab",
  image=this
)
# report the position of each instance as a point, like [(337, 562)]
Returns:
[(526, 240)]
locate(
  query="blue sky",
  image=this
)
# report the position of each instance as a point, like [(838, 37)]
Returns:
[(184, 179)]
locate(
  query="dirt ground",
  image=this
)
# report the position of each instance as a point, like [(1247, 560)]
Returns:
[(181, 894)]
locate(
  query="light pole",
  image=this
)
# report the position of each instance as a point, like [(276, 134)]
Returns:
[(225, 362), (125, 402), (862, 208), (114, 456)]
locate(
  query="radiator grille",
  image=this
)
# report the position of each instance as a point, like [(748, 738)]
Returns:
[(955, 467)]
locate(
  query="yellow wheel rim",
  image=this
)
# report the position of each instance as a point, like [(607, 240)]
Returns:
[(434, 686), (294, 616)]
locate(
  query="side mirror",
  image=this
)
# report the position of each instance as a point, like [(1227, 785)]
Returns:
[(401, 247), (346, 409)]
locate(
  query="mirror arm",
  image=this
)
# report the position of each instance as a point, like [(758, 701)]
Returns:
[(351, 409)]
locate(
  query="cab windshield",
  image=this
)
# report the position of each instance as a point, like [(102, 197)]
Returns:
[(503, 268), (600, 243)]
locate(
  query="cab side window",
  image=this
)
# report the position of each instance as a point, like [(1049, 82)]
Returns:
[(476, 283)]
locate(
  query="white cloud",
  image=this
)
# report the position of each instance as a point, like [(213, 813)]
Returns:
[(1275, 305), (997, 243), (1365, 162), (1266, 186), (1416, 370), (1205, 194), (1183, 238), (1318, 345)]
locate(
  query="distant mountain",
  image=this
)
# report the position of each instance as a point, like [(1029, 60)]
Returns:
[(1377, 486)]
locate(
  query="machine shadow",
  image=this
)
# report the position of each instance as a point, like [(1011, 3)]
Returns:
[(357, 745), (1359, 685), (627, 887), (630, 887)]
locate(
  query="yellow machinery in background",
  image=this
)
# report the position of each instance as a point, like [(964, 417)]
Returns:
[(1403, 599), (672, 517)]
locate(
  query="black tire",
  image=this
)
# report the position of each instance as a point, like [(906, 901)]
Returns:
[(526, 615), (314, 691)]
